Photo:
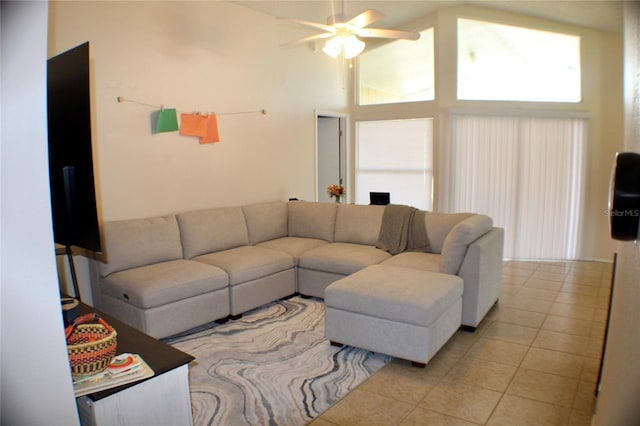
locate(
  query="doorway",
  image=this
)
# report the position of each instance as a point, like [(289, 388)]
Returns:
[(331, 153)]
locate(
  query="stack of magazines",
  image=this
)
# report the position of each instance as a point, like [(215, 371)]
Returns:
[(123, 369)]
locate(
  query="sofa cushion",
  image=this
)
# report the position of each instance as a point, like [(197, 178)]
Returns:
[(138, 242), (342, 258), (458, 240), (415, 260), (161, 283), (248, 263), (439, 225), (266, 221), (396, 294), (212, 230), (294, 246), (312, 220), (358, 224)]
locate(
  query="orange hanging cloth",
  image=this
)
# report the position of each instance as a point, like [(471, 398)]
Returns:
[(211, 134), (193, 125)]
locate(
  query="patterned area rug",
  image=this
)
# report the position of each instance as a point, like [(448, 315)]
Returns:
[(271, 367)]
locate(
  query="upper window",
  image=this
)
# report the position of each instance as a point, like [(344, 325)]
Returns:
[(400, 71), (505, 63)]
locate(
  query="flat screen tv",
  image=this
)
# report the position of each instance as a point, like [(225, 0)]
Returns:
[(73, 196)]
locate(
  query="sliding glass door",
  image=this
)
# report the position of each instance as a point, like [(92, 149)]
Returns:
[(524, 172)]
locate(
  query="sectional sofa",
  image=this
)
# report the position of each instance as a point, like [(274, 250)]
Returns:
[(168, 274)]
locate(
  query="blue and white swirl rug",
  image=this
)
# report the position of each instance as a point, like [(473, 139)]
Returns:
[(271, 367)]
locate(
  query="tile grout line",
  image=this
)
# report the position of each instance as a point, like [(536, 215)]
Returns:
[(519, 366)]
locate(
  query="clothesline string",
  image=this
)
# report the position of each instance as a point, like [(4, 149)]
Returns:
[(122, 99)]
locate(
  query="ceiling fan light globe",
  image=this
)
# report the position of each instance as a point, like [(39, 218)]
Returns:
[(333, 47), (352, 46)]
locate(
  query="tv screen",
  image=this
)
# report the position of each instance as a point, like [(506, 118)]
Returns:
[(73, 197)]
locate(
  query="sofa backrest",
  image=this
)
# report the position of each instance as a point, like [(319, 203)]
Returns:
[(212, 230), (311, 220), (138, 242), (457, 241), (266, 221), (439, 225), (358, 224)]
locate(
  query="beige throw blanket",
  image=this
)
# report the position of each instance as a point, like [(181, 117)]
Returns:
[(402, 229)]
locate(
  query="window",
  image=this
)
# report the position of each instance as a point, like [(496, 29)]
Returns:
[(526, 173), (506, 63), (400, 71), (395, 156)]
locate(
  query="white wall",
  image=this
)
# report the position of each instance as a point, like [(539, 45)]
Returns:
[(197, 56), (35, 385), (617, 402)]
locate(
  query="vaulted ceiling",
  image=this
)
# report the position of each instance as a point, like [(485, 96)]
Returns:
[(604, 15)]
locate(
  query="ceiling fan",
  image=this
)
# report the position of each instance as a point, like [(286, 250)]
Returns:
[(344, 34)]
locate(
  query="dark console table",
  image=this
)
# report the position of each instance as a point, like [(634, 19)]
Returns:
[(161, 399)]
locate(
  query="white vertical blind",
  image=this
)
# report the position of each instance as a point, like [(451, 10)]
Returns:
[(526, 173), (395, 156)]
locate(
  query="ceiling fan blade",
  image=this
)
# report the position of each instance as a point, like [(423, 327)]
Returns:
[(306, 40), (316, 25), (383, 33), (367, 17)]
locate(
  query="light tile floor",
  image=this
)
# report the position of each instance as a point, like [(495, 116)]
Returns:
[(533, 360)]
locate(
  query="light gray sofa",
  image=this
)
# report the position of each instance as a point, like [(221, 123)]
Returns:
[(168, 274)]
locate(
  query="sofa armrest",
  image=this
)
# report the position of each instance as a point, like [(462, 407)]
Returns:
[(458, 240), (481, 271)]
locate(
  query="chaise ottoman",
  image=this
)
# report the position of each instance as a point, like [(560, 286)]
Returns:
[(402, 312)]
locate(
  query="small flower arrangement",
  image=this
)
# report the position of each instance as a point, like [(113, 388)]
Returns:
[(336, 191)]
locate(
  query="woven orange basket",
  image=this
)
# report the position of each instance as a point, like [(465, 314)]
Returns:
[(91, 344)]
